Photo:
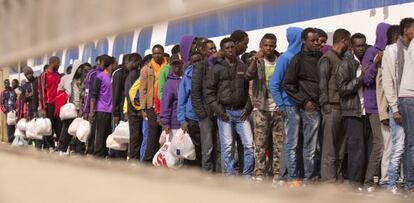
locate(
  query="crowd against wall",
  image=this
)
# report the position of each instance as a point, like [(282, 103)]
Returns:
[(314, 113)]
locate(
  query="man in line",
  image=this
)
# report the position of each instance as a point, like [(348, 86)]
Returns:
[(302, 86), (149, 99), (332, 126), (118, 85), (227, 94), (8, 103), (47, 89), (349, 77), (268, 123)]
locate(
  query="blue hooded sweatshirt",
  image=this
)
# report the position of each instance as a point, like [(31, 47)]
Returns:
[(275, 84), (184, 107)]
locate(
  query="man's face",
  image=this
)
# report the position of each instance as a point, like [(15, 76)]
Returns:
[(211, 48), (177, 68), (345, 43), (322, 41), (229, 50), (409, 32), (241, 47), (15, 84), (268, 46), (131, 65), (7, 83), (157, 55), (359, 46), (56, 65), (311, 43), (29, 75)]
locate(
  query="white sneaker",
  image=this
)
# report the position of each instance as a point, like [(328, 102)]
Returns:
[(278, 183), (370, 189), (257, 179)]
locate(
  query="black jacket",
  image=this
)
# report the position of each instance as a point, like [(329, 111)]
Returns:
[(129, 81), (348, 85), (198, 90), (301, 81), (228, 88), (118, 84)]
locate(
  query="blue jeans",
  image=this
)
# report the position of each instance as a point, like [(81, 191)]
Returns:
[(291, 141), (406, 107), (226, 140), (310, 127), (397, 150)]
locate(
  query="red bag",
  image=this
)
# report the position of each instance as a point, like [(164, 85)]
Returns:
[(61, 99)]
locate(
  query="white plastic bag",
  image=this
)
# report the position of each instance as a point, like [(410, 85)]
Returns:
[(182, 146), (164, 158), (31, 132), (68, 111), (163, 137), (43, 127), (19, 140), (121, 133), (74, 126), (22, 124), (11, 118), (112, 144), (84, 130)]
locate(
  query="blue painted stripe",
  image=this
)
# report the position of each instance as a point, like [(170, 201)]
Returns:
[(144, 40), (267, 14), (71, 54), (122, 44)]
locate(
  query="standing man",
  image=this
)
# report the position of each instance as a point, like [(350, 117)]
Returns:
[(8, 103), (302, 86), (227, 94), (286, 107), (268, 123), (27, 95), (241, 40), (333, 139), (118, 84), (349, 77), (393, 62), (47, 89), (101, 104), (372, 60), (149, 99)]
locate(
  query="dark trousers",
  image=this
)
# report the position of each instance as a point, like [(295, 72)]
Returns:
[(103, 130), (375, 146), (10, 133), (135, 136), (154, 132), (333, 145), (194, 131), (65, 138), (210, 145), (356, 129), (49, 141), (91, 139), (77, 146)]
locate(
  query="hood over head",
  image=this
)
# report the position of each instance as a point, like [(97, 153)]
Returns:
[(293, 35), (382, 39), (185, 47)]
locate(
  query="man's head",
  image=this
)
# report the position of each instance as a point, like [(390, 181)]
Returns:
[(114, 64), (176, 64), (241, 40), (175, 49), (310, 40), (15, 83), (28, 73), (323, 37), (69, 69), (393, 33), (98, 61), (7, 83), (125, 59), (210, 47), (358, 45), (134, 60), (87, 67), (229, 48), (105, 61), (146, 60), (341, 40), (54, 63), (407, 28), (158, 53), (268, 44)]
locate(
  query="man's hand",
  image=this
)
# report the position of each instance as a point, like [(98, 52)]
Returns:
[(364, 69), (167, 130), (224, 117), (126, 117), (91, 116), (116, 120), (244, 115), (144, 115), (378, 58), (184, 126), (42, 113), (310, 106), (397, 117), (281, 113), (386, 122), (85, 116)]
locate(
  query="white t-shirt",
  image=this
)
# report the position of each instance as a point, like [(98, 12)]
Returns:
[(360, 91)]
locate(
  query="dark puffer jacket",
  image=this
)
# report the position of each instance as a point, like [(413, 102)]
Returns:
[(228, 88), (348, 85), (198, 84)]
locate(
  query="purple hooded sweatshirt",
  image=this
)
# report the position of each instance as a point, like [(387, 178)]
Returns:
[(168, 115), (369, 84), (185, 48)]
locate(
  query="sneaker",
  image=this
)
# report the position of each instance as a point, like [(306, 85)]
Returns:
[(370, 189), (63, 154), (394, 190), (295, 184), (278, 183), (257, 179)]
